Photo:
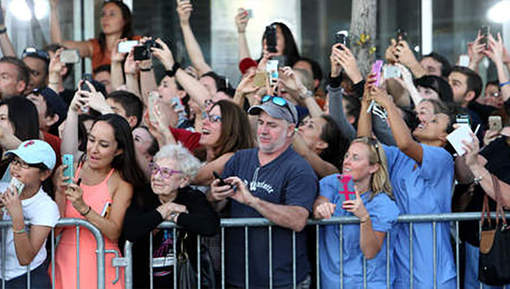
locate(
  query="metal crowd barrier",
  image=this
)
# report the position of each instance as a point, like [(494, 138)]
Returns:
[(340, 221), (246, 223), (79, 223)]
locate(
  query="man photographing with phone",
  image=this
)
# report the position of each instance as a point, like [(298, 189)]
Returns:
[(274, 182)]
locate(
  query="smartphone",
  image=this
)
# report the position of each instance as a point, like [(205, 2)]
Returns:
[(86, 77), (484, 32), (70, 56), (346, 191), (16, 185), (270, 35), (249, 13), (2, 18), (343, 38), (463, 119), (106, 210), (125, 46), (68, 160), (376, 69), (391, 71), (495, 123), (272, 70), (464, 60), (401, 35), (282, 60), (153, 97), (260, 78), (222, 182)]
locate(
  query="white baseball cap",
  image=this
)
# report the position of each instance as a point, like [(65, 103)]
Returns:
[(35, 151)]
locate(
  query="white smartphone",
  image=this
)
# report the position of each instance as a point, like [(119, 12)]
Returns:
[(16, 185), (69, 56), (126, 46), (153, 97), (391, 71), (272, 69), (464, 60)]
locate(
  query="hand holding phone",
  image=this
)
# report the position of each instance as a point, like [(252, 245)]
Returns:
[(68, 160), (495, 123), (222, 181), (484, 33)]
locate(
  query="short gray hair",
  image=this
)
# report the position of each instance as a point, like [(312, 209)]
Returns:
[(187, 163)]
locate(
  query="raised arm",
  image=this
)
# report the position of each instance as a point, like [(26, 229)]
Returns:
[(5, 42), (365, 118), (84, 47), (242, 19), (193, 87), (405, 55), (70, 132), (496, 53), (184, 9), (400, 131), (117, 75)]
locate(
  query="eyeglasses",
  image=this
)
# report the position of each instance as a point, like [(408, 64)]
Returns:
[(280, 102), (166, 173), (34, 52), (214, 118), (24, 165)]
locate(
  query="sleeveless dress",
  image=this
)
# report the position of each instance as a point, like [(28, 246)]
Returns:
[(96, 197)]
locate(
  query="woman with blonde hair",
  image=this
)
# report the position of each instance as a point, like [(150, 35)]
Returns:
[(363, 190)]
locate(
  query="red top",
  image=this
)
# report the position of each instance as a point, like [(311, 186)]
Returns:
[(99, 57), (54, 142), (188, 139)]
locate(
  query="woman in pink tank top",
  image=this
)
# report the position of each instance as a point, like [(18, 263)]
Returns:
[(101, 191)]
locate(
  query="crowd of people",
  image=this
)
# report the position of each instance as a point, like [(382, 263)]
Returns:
[(284, 145)]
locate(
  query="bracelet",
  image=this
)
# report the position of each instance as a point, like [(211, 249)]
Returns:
[(2, 31), (146, 69), (173, 71), (87, 212), (19, 231), (500, 85), (478, 179), (364, 219)]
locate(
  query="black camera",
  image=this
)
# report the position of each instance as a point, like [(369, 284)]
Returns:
[(86, 77), (143, 52), (270, 36), (343, 38)]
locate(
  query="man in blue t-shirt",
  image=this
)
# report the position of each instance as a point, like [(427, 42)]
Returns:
[(421, 174), (271, 181)]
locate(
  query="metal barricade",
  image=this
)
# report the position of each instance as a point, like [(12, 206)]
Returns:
[(4, 225), (247, 223)]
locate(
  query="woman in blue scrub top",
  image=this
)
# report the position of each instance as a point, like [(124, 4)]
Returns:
[(372, 203)]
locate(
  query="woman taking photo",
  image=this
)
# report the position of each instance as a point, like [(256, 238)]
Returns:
[(31, 163), (171, 199), (100, 193), (115, 23), (372, 203)]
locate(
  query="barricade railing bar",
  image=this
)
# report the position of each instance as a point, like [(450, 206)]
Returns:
[(66, 222), (247, 223), (126, 261)]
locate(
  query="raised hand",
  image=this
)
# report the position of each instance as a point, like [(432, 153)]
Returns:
[(184, 9), (242, 20)]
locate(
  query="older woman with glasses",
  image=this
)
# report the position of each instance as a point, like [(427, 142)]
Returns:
[(171, 199), (368, 196)]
